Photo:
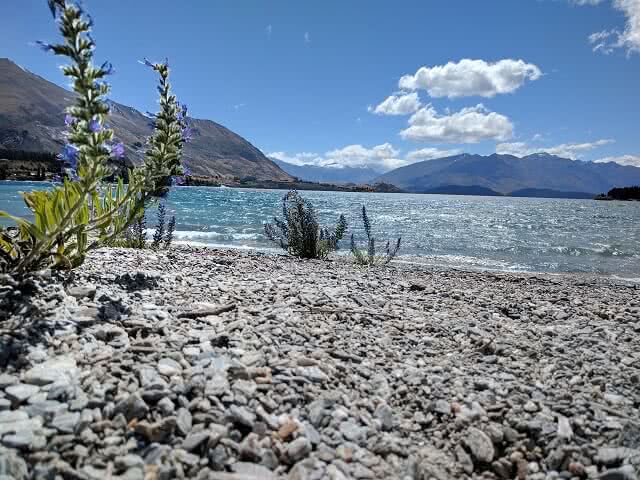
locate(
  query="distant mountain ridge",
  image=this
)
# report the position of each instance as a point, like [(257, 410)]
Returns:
[(314, 173), (536, 175), (32, 118)]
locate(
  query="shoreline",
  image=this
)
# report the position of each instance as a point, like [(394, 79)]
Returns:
[(236, 365), (401, 259)]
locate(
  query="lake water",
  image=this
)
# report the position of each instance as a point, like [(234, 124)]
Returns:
[(492, 233)]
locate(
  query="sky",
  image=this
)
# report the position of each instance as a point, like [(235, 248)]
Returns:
[(370, 82)]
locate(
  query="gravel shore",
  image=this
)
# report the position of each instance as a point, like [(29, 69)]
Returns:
[(231, 365)]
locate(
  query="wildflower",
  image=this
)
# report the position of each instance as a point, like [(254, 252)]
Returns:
[(186, 171), (187, 134), (178, 180), (94, 125), (70, 154), (146, 62), (117, 150), (69, 120), (107, 68), (47, 47)]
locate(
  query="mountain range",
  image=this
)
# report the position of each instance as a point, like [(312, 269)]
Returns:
[(32, 118), (329, 174), (540, 174)]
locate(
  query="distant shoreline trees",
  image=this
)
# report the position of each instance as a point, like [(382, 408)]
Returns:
[(621, 193)]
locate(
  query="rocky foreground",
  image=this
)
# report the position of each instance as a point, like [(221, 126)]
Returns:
[(198, 363)]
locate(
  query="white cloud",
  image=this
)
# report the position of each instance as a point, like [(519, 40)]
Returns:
[(607, 41), (469, 125), (398, 105), (431, 154), (304, 158), (587, 2), (572, 151), (381, 157), (471, 78), (632, 160)]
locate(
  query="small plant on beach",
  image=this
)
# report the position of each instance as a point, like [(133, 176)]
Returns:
[(163, 234), (299, 232), (368, 256), (80, 214), (168, 236)]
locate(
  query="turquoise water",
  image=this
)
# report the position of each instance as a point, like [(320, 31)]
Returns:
[(494, 233)]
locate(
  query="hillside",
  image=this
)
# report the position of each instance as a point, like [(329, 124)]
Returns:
[(535, 174), (314, 173), (32, 118)]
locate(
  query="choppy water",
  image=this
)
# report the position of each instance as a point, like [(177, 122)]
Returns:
[(494, 233)]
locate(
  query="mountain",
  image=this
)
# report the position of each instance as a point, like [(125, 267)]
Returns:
[(534, 174), (32, 118), (314, 173)]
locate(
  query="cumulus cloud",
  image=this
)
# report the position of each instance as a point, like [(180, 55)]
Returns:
[(303, 158), (469, 125), (471, 78), (381, 157), (630, 160), (398, 105), (431, 154), (572, 151), (628, 39)]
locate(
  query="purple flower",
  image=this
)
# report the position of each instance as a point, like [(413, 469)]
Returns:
[(47, 47), (117, 150), (69, 120), (178, 180), (70, 154), (186, 170), (147, 63), (187, 134), (94, 125), (107, 68)]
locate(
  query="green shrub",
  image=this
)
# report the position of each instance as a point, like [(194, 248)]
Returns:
[(78, 215), (299, 232), (368, 256)]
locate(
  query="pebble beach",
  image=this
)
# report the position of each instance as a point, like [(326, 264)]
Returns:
[(234, 365)]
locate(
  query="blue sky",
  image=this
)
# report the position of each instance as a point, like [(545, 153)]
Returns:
[(306, 80)]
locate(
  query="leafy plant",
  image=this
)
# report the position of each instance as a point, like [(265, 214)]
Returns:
[(299, 232), (368, 256), (158, 234), (67, 215), (168, 237)]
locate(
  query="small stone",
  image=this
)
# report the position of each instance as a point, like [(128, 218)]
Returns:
[(194, 440), (21, 392), (564, 428), (66, 422), (82, 291), (12, 466), (57, 369), (166, 406), (184, 421), (480, 445), (169, 367), (242, 416), (131, 407), (385, 415), (156, 432), (312, 373), (442, 407), (626, 472), (298, 449)]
